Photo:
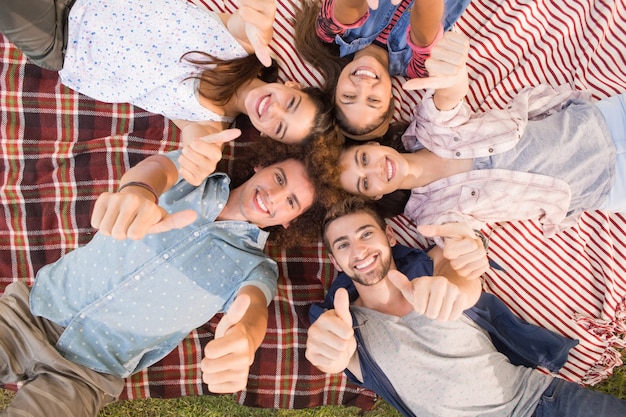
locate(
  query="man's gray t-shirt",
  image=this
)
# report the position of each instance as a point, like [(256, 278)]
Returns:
[(448, 369)]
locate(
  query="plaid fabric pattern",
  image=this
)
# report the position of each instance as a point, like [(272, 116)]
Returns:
[(60, 150)]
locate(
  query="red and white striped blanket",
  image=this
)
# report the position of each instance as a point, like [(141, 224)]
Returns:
[(59, 150)]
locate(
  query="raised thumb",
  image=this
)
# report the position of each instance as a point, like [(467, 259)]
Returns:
[(400, 281), (176, 220), (342, 306), (235, 313), (222, 137)]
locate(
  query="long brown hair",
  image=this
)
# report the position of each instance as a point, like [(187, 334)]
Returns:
[(323, 56), (326, 58), (223, 77)]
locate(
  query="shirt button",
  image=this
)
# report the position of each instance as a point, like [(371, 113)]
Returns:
[(196, 234), (166, 256), (473, 193), (456, 139), (109, 297), (490, 150), (137, 277), (220, 205), (82, 316), (458, 154)]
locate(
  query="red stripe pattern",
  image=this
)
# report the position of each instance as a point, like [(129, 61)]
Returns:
[(59, 150)]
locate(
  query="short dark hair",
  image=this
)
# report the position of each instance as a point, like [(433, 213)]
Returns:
[(350, 205)]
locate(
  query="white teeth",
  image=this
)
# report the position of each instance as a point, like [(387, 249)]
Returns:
[(389, 170), (262, 105), (261, 203), (365, 264), (364, 73)]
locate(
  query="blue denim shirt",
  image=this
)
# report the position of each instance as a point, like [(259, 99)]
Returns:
[(126, 304), (399, 50)]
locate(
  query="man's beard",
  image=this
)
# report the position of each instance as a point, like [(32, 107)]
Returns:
[(375, 276)]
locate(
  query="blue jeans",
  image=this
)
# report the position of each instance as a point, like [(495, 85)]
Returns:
[(567, 399)]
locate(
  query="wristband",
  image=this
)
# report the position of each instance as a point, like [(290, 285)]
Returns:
[(143, 185)]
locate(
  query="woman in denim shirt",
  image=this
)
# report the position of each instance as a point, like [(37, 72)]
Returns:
[(375, 40)]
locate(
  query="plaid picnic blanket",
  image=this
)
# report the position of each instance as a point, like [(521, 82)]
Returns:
[(60, 150)]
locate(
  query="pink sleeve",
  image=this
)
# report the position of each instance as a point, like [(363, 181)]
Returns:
[(417, 67), (327, 27)]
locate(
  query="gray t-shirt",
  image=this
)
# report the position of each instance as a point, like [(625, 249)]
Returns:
[(448, 369), (573, 145)]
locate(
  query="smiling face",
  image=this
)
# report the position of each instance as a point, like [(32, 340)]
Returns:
[(282, 112), (276, 195), (363, 92), (372, 170), (360, 247)]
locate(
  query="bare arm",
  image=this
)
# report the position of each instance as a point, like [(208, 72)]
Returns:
[(426, 18), (348, 12), (227, 358)]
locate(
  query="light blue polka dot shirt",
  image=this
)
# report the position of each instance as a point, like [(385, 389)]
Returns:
[(129, 51), (126, 304)]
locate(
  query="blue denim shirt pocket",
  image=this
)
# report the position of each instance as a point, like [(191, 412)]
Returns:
[(348, 47)]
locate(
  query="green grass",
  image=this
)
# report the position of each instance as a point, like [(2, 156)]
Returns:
[(219, 406), (226, 406)]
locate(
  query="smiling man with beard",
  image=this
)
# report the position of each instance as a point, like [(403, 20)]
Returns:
[(427, 345)]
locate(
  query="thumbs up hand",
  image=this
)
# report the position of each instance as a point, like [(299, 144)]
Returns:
[(132, 214), (331, 343), (463, 248), (252, 26), (200, 155), (435, 297), (227, 358)]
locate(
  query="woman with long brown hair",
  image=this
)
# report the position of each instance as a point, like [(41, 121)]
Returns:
[(358, 44), (170, 57)]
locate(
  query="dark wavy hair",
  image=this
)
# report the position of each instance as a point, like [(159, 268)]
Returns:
[(318, 157)]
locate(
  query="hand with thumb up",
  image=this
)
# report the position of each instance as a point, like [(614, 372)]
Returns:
[(331, 343), (462, 248), (227, 358), (435, 297), (201, 154)]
